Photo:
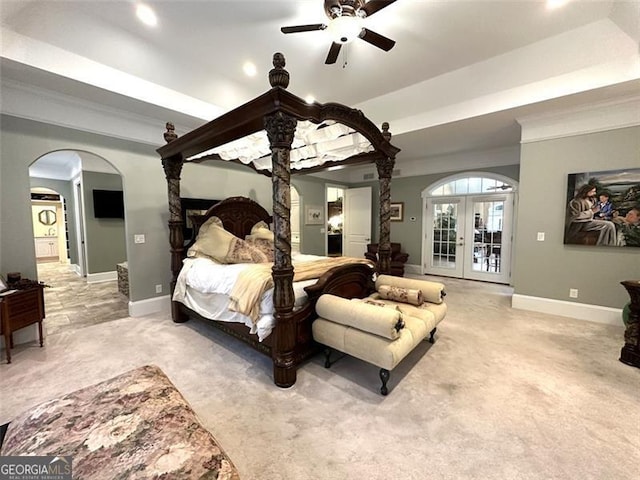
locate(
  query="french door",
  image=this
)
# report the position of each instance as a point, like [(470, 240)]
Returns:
[(468, 237)]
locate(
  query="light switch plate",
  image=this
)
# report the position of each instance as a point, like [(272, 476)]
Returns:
[(138, 238), (541, 236)]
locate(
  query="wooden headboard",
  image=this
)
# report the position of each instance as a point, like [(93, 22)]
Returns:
[(238, 215)]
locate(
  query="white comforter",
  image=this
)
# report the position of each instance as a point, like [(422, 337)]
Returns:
[(204, 286)]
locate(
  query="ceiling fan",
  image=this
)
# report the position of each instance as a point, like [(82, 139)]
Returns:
[(345, 23)]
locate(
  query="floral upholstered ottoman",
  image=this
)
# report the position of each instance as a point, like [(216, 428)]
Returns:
[(134, 426)]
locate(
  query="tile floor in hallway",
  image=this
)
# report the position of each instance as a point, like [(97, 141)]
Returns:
[(72, 303)]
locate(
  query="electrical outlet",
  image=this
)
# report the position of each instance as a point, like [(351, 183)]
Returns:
[(541, 236), (138, 238), (573, 293), (158, 288)]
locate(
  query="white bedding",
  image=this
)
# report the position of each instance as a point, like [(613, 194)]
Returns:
[(204, 286)]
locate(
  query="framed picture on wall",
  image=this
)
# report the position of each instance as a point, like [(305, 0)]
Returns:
[(603, 208), (313, 215), (397, 211)]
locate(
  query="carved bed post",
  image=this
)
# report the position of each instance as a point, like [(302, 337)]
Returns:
[(280, 129), (172, 168), (385, 171)]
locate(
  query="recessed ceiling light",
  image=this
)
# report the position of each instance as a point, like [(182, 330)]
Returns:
[(556, 3), (250, 69), (146, 15), (309, 99)]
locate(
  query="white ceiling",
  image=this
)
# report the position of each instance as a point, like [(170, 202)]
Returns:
[(459, 76)]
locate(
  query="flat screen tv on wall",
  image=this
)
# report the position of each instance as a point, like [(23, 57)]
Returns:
[(108, 204)]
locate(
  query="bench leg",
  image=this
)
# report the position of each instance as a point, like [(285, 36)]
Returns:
[(327, 357), (384, 376), (431, 334)]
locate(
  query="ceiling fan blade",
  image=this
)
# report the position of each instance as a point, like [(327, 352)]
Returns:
[(372, 6), (303, 28), (377, 40), (333, 53)]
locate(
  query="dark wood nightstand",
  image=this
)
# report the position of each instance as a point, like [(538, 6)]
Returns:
[(20, 309)]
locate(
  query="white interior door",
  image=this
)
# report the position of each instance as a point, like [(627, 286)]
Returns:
[(357, 221), (488, 238), (445, 219), (469, 237)]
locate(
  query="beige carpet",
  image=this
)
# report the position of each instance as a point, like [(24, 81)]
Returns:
[(503, 394)]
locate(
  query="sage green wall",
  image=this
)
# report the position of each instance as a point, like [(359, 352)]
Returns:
[(64, 188), (409, 191), (312, 191), (105, 239), (24, 141), (550, 268)]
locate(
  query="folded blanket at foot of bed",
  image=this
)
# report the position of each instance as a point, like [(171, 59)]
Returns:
[(136, 426)]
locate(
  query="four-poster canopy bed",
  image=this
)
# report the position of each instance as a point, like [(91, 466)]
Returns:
[(299, 137)]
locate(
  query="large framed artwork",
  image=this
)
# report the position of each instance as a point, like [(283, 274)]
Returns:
[(603, 208)]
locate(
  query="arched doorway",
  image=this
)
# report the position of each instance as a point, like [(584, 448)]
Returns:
[(468, 227), (91, 243)]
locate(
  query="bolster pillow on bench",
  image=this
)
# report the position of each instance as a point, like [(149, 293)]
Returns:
[(399, 294), (381, 321), (432, 292)]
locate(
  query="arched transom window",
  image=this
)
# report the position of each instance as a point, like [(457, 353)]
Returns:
[(469, 185)]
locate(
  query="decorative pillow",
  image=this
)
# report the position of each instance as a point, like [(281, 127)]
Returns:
[(261, 238), (400, 324), (241, 252), (261, 230), (215, 242), (399, 294), (263, 245)]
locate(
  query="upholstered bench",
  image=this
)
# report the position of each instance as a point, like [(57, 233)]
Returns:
[(136, 426), (379, 329)]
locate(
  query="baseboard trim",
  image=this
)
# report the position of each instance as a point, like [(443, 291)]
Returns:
[(581, 311), (102, 277), (149, 306)]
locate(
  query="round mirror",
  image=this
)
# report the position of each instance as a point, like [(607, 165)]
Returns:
[(47, 217)]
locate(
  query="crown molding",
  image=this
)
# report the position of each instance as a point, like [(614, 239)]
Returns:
[(598, 117), (38, 104)]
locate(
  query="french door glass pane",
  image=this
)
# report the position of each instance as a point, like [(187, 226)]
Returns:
[(487, 241), (445, 216)]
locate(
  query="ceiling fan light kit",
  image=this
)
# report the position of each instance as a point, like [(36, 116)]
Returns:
[(346, 19), (345, 29)]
